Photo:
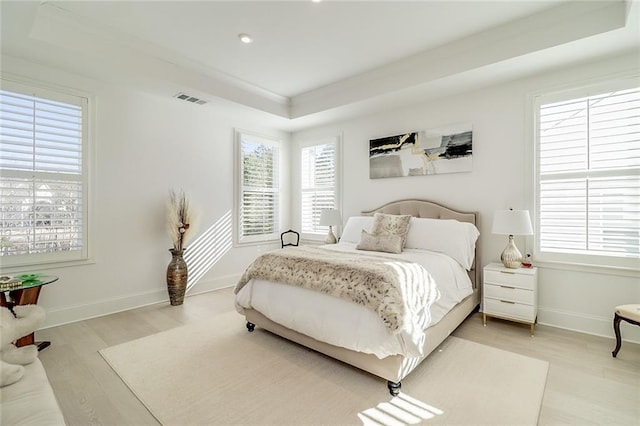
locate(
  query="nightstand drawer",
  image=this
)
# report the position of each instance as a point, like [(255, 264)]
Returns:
[(509, 279), (512, 294), (509, 309)]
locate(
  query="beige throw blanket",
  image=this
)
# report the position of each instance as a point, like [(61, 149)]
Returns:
[(396, 290)]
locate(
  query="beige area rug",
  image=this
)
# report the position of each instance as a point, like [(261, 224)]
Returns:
[(215, 372)]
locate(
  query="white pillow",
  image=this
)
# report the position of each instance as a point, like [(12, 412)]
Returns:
[(353, 229), (448, 236)]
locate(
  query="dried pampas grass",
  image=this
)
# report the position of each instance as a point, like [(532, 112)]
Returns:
[(178, 219)]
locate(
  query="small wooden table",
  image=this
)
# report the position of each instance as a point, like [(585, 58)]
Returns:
[(27, 294)]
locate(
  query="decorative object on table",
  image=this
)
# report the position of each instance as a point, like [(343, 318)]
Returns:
[(19, 281), (9, 283), (429, 152), (330, 218), (179, 226), (30, 279), (511, 222), (15, 323)]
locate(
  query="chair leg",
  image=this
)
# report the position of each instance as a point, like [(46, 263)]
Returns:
[(616, 329)]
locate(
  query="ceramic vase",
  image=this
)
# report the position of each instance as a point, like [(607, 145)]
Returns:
[(176, 277)]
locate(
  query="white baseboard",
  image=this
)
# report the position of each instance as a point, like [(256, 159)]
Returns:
[(215, 284), (104, 307), (589, 324), (573, 321)]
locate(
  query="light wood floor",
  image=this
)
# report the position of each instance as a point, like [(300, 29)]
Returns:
[(585, 385)]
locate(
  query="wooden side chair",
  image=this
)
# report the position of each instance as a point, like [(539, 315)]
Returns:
[(628, 313), (292, 238)]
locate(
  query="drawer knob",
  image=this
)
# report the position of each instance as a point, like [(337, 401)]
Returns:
[(509, 287), (507, 272), (508, 301)]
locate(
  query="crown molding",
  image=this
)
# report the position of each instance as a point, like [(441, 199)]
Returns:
[(114, 55), (571, 32), (560, 25)]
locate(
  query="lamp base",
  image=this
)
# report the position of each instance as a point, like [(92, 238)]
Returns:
[(511, 256), (331, 238)]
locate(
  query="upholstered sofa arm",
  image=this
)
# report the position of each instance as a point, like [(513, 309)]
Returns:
[(31, 400)]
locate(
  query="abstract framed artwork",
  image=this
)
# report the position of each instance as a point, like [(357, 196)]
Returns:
[(429, 152)]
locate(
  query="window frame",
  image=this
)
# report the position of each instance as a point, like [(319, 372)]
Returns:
[(322, 230), (565, 260), (239, 238), (57, 259)]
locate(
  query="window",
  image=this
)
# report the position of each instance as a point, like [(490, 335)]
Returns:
[(588, 177), (319, 185), (258, 203), (43, 188)]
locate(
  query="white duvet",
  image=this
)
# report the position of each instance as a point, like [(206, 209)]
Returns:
[(343, 323)]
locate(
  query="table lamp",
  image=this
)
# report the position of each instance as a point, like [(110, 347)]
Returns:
[(512, 222), (330, 217)]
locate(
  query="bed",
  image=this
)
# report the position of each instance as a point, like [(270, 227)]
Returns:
[(439, 254)]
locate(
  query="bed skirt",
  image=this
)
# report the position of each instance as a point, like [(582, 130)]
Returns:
[(392, 368)]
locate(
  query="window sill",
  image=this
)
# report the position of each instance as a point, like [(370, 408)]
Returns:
[(46, 266), (589, 268), (238, 244), (312, 242)]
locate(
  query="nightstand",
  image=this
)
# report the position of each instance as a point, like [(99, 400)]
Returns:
[(510, 294)]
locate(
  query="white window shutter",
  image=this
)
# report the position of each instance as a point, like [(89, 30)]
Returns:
[(318, 185), (259, 211), (42, 191), (589, 175)]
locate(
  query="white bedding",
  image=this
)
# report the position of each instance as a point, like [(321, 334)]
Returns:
[(342, 323)]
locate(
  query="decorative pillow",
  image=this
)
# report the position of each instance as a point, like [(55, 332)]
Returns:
[(353, 228), (451, 237), (385, 243), (391, 224)]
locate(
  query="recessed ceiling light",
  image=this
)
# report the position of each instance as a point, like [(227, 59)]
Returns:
[(245, 38)]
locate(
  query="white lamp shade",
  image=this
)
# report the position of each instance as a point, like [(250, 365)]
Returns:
[(330, 217), (512, 222)]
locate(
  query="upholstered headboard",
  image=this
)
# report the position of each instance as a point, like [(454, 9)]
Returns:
[(429, 209)]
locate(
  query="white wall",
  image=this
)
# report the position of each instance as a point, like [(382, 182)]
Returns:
[(144, 145), (572, 299)]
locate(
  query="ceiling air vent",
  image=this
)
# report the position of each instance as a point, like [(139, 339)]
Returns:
[(190, 98)]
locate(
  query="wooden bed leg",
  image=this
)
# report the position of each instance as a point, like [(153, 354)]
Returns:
[(394, 387), (250, 326), (616, 329)]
